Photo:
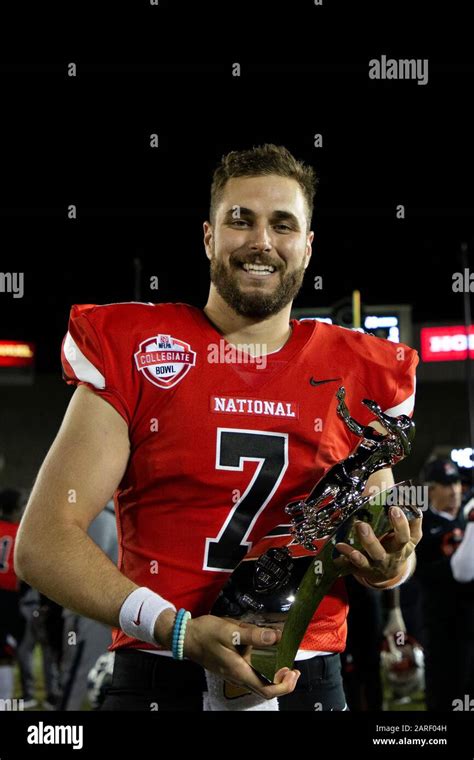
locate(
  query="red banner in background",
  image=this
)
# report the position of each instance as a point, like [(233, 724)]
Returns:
[(14, 353), (446, 344)]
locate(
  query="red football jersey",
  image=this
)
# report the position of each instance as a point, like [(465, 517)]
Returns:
[(221, 441), (8, 579)]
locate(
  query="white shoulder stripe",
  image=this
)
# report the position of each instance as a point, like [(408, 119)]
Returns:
[(404, 407), (123, 303), (83, 369)]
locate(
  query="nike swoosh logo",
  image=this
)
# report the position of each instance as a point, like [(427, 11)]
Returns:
[(321, 382), (137, 621)]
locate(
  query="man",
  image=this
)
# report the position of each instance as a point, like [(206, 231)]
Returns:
[(446, 574), (214, 419)]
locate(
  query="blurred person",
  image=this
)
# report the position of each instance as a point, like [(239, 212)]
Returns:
[(467, 500), (29, 609), (49, 625), (361, 658), (445, 571), (43, 629), (402, 657), (11, 622), (410, 605), (164, 419), (86, 640)]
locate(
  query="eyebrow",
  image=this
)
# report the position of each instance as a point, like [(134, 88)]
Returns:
[(277, 215)]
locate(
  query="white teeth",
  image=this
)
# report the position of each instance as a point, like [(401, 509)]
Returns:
[(261, 269)]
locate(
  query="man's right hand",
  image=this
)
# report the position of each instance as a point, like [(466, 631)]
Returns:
[(216, 644)]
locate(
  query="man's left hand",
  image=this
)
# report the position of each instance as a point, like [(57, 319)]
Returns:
[(384, 559)]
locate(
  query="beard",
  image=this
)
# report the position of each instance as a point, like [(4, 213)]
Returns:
[(256, 303)]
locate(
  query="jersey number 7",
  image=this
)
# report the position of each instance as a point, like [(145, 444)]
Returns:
[(234, 448)]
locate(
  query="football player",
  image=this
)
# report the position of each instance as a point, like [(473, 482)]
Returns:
[(11, 622), (205, 423), (446, 576)]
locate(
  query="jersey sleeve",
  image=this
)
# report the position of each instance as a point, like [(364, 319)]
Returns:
[(386, 373), (92, 355), (402, 382)]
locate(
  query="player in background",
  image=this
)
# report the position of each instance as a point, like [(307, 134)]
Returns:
[(11, 622), (446, 575)]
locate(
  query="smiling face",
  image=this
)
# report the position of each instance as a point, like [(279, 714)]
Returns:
[(259, 247)]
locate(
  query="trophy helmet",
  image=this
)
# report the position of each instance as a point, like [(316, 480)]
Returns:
[(403, 665)]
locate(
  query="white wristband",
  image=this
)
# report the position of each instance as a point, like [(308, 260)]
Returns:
[(139, 612)]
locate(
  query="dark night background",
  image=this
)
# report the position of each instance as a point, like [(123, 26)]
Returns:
[(168, 70), (384, 143)]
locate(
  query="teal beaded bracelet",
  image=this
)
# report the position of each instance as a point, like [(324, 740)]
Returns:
[(179, 630)]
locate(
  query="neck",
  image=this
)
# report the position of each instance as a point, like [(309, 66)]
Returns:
[(265, 335), (452, 512)]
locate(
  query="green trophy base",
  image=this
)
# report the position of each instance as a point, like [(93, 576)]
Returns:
[(318, 579)]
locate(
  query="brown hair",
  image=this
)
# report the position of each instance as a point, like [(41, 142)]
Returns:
[(260, 161)]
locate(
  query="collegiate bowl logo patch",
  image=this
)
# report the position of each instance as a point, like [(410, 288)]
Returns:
[(165, 360)]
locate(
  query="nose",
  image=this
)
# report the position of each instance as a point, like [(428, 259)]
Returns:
[(261, 239)]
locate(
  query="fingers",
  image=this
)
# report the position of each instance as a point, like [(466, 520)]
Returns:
[(342, 563), (401, 528), (370, 543), (351, 558), (285, 681), (405, 535), (240, 672), (397, 545), (416, 529), (280, 674), (375, 550), (246, 634), (284, 678)]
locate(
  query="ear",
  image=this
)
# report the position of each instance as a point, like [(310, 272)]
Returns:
[(309, 250), (208, 238)]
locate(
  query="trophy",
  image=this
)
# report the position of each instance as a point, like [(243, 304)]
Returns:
[(282, 586)]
